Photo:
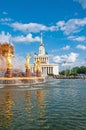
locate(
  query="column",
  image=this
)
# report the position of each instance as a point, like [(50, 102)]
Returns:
[(50, 70), (47, 70)]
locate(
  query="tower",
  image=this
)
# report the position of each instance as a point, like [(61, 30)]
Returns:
[(41, 55), (41, 47), (44, 66)]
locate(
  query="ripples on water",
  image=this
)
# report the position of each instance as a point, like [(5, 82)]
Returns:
[(55, 105)]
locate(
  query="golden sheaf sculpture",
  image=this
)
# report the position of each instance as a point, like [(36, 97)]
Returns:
[(4, 48), (9, 57), (38, 64), (27, 64)]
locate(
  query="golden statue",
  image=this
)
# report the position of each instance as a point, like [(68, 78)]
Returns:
[(9, 56), (35, 67), (27, 64), (38, 64)]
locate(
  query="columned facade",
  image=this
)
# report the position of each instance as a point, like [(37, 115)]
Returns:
[(46, 67)]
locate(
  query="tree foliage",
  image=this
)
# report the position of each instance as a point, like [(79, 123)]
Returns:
[(74, 71)]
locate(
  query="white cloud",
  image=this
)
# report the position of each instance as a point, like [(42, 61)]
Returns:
[(72, 25), (60, 23), (27, 38), (35, 27), (68, 27), (82, 2), (52, 28), (57, 59), (82, 47), (30, 27), (66, 48), (5, 20), (77, 38), (70, 58), (5, 37)]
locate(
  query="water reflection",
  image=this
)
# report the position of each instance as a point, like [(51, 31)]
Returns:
[(40, 102), (35, 107), (52, 106), (6, 113), (41, 106), (28, 105)]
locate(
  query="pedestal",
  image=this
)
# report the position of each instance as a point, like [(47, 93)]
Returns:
[(28, 74), (9, 73), (38, 73)]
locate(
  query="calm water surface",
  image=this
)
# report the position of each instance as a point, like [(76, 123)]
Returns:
[(55, 105)]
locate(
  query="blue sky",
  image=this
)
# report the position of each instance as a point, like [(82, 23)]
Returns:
[(63, 23)]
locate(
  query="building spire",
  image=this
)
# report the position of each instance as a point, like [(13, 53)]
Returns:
[(41, 47), (41, 40)]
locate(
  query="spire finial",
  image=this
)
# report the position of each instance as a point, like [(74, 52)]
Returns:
[(41, 40)]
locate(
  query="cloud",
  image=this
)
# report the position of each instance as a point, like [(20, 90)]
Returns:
[(77, 38), (70, 58), (68, 27), (57, 59), (30, 27), (60, 24), (82, 47), (72, 25), (34, 27), (5, 20), (27, 38), (82, 2), (6, 37), (66, 48)]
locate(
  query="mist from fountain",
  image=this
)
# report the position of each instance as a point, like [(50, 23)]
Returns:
[(2, 66)]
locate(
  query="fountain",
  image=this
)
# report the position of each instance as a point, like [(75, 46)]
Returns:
[(9, 57), (7, 51)]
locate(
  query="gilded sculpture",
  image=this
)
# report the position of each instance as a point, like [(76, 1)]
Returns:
[(9, 56), (27, 65), (38, 64)]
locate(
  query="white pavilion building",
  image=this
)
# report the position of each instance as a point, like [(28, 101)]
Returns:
[(46, 67)]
